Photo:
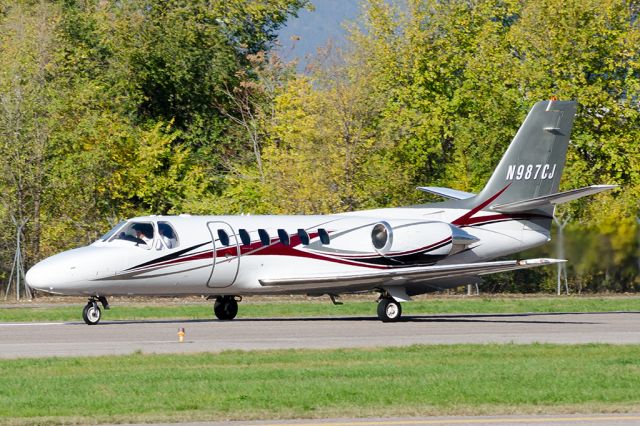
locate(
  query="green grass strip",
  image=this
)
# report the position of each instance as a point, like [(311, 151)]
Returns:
[(416, 380), (249, 309)]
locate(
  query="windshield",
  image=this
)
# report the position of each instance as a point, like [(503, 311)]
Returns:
[(113, 230)]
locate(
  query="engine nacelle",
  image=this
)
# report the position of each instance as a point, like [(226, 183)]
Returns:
[(418, 242)]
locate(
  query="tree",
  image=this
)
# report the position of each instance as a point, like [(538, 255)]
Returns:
[(26, 37), (448, 84), (114, 109)]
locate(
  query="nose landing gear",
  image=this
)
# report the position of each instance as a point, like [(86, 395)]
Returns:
[(226, 307), (91, 313)]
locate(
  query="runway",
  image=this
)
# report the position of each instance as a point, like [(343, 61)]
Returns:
[(125, 337)]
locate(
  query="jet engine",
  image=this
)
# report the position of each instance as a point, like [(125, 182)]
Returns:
[(418, 242)]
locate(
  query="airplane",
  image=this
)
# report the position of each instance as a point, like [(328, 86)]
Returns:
[(396, 252)]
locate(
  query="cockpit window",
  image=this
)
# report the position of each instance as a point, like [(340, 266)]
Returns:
[(140, 233), (113, 230), (168, 235)]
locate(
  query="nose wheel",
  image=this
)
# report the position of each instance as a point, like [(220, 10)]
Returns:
[(389, 310), (91, 313), (225, 307)]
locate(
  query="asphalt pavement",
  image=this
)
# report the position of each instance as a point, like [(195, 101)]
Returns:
[(124, 337)]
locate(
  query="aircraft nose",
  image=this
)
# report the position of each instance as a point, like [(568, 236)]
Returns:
[(39, 277), (60, 273), (35, 277)]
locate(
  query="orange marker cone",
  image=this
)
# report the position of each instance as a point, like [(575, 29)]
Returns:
[(181, 335)]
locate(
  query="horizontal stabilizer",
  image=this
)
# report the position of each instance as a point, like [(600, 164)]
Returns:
[(551, 199), (402, 276), (452, 194)]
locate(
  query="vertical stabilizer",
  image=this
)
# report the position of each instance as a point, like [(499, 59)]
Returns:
[(533, 163)]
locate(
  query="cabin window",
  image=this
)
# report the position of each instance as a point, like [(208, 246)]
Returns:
[(140, 233), (168, 234), (264, 237), (244, 237), (113, 230), (223, 237), (284, 237), (324, 236), (304, 237)]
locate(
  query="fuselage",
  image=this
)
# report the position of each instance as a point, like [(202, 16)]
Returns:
[(230, 255)]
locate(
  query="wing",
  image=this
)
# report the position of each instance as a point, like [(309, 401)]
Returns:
[(401, 277)]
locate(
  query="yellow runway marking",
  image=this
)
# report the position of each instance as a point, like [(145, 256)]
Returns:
[(465, 421)]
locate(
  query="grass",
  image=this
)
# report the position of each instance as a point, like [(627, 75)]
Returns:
[(302, 308), (416, 380)]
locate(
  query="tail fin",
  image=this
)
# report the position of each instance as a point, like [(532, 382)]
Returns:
[(533, 163)]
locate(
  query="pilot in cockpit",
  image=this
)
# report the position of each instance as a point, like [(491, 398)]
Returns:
[(144, 232), (166, 234)]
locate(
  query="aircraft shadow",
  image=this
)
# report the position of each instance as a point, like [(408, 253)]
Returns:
[(520, 318), (449, 318)]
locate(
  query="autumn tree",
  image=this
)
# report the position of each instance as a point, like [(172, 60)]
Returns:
[(113, 109), (26, 97)]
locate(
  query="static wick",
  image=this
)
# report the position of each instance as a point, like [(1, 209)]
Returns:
[(181, 334)]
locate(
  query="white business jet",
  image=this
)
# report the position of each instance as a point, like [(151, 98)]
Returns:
[(397, 252)]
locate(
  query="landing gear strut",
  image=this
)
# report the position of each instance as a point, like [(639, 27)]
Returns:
[(91, 313), (388, 309), (225, 307)]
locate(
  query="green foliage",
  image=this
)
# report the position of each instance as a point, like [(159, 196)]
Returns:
[(605, 251), (432, 93), (114, 109), (26, 114), (461, 77)]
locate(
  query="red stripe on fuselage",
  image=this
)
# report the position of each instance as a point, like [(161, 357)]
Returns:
[(466, 218)]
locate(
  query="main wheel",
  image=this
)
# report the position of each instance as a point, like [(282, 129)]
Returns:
[(389, 310), (91, 314), (225, 307)]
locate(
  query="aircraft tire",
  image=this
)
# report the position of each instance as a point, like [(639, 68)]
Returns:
[(225, 308), (389, 310), (91, 314)]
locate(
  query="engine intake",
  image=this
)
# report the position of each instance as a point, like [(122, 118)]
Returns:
[(382, 237), (418, 242)]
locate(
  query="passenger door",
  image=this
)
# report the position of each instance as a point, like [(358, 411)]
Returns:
[(226, 255)]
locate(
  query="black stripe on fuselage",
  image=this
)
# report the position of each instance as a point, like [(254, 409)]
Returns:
[(171, 256)]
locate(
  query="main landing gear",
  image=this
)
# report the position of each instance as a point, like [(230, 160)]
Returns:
[(226, 307), (388, 309), (91, 313)]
